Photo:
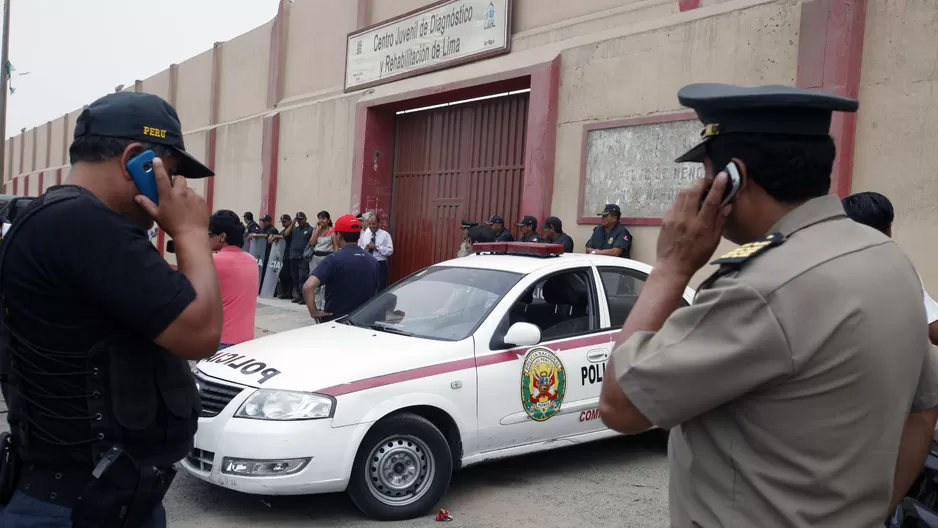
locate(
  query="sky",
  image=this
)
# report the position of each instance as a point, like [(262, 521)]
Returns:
[(78, 50)]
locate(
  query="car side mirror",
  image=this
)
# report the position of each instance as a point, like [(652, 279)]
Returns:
[(522, 334)]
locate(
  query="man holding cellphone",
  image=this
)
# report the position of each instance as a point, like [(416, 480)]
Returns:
[(783, 405), (97, 328)]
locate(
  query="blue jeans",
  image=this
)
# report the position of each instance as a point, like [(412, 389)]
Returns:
[(24, 511), (222, 346)]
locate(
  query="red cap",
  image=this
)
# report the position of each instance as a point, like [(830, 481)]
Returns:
[(347, 224)]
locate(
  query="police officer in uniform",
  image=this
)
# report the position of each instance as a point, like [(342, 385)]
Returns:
[(610, 237), (787, 382), (465, 247), (528, 226), (497, 224), (553, 233), (97, 328)]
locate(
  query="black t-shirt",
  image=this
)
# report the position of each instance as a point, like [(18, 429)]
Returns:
[(301, 235), (75, 274), (351, 278), (533, 237), (564, 240), (252, 228), (618, 237)]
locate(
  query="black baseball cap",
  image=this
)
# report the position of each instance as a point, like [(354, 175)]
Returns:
[(285, 218), (140, 117), (466, 224), (301, 216), (265, 218), (528, 220), (554, 222), (496, 220), (611, 209)]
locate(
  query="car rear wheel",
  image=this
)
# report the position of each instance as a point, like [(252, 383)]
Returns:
[(402, 469)]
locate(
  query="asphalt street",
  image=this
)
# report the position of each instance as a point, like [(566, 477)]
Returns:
[(622, 482)]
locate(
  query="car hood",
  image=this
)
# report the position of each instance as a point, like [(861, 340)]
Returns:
[(323, 356)]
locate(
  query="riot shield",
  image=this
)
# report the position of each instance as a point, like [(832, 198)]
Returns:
[(274, 265), (258, 249)]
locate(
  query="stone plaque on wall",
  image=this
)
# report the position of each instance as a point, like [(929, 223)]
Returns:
[(633, 166)]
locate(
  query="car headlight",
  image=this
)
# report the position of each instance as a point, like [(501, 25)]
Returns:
[(285, 405)]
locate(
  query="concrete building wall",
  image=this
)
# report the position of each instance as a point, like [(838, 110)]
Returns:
[(42, 146), (194, 92), (58, 144), (315, 36), (315, 150), (898, 123), (244, 64), (158, 84), (195, 145), (29, 139), (239, 160), (751, 46), (299, 146)]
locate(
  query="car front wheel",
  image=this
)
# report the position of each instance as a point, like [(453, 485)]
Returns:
[(402, 469)]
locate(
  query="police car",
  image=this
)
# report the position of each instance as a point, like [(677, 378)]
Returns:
[(497, 354)]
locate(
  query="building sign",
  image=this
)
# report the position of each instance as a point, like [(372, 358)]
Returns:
[(439, 36)]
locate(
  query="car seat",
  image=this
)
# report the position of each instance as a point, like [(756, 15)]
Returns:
[(568, 295)]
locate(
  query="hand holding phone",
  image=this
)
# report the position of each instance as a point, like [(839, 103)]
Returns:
[(733, 181), (180, 211)]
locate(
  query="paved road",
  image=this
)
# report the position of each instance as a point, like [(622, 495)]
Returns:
[(621, 482)]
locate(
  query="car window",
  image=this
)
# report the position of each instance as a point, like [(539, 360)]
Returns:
[(623, 286), (560, 305), (445, 303)]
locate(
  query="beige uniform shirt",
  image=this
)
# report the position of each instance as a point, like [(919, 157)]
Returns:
[(787, 383), (465, 249)]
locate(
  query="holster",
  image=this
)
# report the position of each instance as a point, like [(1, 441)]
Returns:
[(121, 494), (10, 466)]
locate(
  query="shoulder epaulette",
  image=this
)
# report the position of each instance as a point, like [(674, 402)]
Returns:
[(747, 251)]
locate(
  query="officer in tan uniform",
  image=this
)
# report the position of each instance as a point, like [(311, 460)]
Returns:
[(787, 383)]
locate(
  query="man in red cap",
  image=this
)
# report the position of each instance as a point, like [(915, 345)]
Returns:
[(350, 273)]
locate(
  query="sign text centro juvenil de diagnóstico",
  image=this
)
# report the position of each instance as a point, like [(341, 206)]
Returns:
[(438, 36)]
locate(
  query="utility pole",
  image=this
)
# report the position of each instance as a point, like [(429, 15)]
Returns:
[(4, 88)]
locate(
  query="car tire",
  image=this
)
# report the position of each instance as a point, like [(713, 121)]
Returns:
[(402, 469)]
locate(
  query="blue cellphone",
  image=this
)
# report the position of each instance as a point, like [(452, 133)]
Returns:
[(141, 170)]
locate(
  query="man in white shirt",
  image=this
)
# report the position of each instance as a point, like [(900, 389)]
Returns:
[(377, 242), (876, 211)]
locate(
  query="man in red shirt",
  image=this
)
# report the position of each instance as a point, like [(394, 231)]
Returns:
[(238, 277)]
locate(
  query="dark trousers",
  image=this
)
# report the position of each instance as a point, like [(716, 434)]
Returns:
[(286, 279), (299, 268), (24, 511), (382, 275)]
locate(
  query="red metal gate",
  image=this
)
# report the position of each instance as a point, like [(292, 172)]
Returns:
[(453, 163)]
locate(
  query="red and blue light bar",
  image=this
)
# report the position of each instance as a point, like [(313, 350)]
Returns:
[(523, 249)]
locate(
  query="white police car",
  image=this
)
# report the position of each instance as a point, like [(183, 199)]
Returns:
[(493, 355)]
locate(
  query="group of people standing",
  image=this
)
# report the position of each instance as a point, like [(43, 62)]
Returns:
[(308, 245), (609, 238)]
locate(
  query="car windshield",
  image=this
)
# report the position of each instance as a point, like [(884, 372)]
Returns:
[(436, 303)]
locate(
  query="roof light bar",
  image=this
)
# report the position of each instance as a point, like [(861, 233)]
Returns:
[(524, 249)]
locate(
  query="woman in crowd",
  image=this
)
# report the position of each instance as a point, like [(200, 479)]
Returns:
[(237, 277), (323, 244)]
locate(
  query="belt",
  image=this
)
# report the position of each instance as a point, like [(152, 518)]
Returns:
[(321, 253), (62, 488)]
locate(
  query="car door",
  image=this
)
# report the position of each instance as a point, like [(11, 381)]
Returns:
[(534, 393), (619, 288)]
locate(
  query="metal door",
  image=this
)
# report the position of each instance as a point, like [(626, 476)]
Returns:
[(453, 163)]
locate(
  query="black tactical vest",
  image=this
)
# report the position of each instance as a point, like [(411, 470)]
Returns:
[(139, 396)]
